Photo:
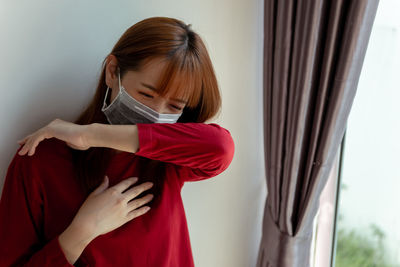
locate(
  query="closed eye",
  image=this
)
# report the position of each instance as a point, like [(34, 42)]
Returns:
[(175, 107), (150, 96), (146, 95)]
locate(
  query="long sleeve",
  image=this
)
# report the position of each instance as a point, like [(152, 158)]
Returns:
[(21, 221), (199, 150)]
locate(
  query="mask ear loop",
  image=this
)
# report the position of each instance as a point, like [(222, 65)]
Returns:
[(119, 81), (108, 89)]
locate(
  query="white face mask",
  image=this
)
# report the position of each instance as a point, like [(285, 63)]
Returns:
[(125, 109)]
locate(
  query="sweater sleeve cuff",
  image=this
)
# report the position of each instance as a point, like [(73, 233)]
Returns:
[(55, 254)]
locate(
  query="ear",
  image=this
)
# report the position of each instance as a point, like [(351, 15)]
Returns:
[(111, 71)]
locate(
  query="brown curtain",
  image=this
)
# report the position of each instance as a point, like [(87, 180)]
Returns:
[(313, 54)]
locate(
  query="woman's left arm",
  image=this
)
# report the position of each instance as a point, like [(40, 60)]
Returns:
[(199, 150)]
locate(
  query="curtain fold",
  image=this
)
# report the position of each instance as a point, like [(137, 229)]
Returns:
[(313, 54)]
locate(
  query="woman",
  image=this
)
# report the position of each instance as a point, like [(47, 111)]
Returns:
[(70, 196)]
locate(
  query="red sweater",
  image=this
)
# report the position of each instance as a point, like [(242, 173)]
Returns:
[(40, 198)]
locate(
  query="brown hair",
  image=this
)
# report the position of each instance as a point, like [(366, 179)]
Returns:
[(189, 75)]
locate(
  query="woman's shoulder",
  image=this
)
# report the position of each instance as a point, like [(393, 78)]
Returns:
[(50, 148), (51, 157), (49, 152)]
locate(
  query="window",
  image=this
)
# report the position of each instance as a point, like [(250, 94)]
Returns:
[(367, 229)]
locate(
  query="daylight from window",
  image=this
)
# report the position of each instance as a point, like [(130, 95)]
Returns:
[(368, 228)]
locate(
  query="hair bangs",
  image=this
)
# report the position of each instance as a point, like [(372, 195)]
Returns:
[(182, 80)]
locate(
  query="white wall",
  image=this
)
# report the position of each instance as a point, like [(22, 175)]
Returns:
[(51, 54)]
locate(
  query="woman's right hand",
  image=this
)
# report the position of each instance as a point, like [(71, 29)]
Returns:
[(106, 209)]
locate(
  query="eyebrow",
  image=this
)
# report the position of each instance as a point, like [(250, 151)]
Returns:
[(154, 89)]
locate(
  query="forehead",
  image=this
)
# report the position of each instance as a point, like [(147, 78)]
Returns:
[(150, 73)]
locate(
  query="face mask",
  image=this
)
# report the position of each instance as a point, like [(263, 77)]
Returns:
[(124, 109)]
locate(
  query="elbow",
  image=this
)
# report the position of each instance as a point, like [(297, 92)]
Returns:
[(225, 149)]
